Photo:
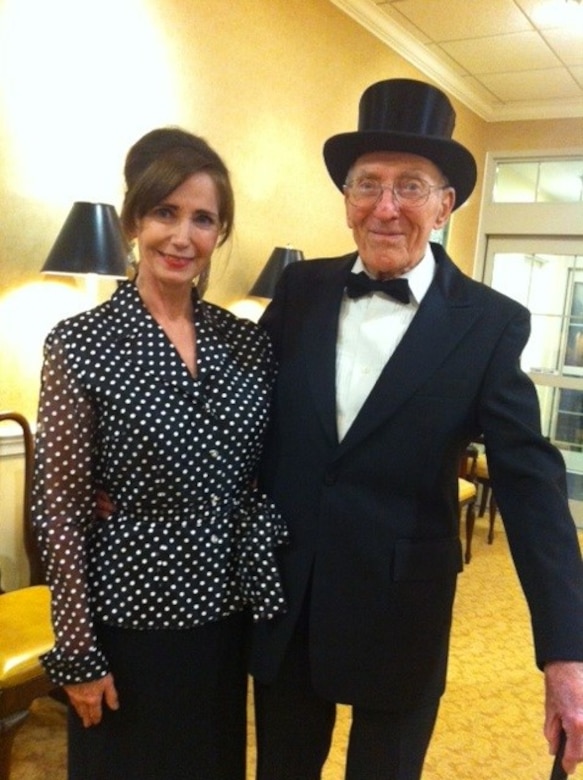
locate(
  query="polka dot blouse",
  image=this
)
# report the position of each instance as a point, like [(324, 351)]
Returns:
[(190, 541)]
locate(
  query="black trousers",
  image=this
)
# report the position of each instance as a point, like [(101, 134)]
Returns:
[(294, 729), (182, 709)]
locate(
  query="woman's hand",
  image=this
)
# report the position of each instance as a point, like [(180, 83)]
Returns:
[(87, 699), (104, 506)]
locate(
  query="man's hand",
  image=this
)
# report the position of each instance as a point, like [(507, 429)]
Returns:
[(564, 708), (87, 699)]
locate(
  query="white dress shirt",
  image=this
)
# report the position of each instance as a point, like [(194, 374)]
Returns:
[(369, 330)]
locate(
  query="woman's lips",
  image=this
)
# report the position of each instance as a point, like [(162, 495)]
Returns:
[(172, 261)]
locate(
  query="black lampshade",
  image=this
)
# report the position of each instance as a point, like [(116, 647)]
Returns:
[(91, 241), (264, 286)]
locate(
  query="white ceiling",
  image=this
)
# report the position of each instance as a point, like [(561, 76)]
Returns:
[(505, 59)]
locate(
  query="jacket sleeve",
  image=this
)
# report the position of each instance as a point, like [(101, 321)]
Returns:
[(528, 478), (273, 317)]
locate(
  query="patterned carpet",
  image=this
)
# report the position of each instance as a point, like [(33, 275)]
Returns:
[(490, 722)]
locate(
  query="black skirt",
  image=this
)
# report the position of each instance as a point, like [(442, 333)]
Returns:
[(182, 708)]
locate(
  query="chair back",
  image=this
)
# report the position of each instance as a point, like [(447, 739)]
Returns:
[(28, 535)]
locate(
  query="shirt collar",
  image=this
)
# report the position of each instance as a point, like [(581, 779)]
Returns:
[(419, 277)]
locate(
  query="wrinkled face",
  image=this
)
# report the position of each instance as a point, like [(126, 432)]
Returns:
[(177, 237), (391, 232)]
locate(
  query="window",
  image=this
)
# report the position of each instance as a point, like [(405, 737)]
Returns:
[(539, 181)]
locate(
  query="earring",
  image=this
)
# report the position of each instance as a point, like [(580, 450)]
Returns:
[(202, 281), (132, 270)]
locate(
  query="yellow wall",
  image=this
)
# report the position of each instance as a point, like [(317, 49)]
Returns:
[(541, 134), (265, 81)]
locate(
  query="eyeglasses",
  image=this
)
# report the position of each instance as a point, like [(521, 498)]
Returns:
[(406, 191)]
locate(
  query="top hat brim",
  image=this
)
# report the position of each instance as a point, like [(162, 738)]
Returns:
[(454, 160)]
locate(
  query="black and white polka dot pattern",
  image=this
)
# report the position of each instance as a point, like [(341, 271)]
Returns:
[(190, 541)]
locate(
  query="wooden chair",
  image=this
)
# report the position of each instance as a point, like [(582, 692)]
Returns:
[(25, 626), (487, 499), (467, 494)]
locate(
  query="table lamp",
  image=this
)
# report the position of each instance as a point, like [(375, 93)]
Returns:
[(91, 241)]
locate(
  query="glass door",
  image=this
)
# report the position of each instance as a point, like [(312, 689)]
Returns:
[(545, 274)]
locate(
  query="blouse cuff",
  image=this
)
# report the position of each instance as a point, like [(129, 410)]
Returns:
[(261, 530), (63, 669)]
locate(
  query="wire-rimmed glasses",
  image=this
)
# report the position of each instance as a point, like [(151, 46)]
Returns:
[(406, 191)]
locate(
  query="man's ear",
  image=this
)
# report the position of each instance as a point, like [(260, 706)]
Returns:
[(446, 207), (347, 209)]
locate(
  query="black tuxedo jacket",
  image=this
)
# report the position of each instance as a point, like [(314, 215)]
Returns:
[(374, 519)]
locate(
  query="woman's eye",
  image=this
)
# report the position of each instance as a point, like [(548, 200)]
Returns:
[(162, 212), (204, 220)]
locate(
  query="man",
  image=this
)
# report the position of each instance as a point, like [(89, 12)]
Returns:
[(376, 400)]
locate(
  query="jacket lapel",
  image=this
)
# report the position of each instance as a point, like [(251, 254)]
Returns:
[(444, 316)]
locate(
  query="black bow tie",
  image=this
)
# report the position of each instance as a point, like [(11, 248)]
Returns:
[(361, 284)]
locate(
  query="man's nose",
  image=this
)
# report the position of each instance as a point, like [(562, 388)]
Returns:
[(387, 200)]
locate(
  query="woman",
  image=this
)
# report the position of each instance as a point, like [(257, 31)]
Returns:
[(160, 400)]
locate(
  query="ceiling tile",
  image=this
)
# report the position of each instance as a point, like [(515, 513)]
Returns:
[(436, 51), (567, 44), (534, 85), (458, 18), (514, 52), (393, 15), (479, 88), (550, 14), (577, 73)]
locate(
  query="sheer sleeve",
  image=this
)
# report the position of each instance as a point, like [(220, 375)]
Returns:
[(63, 505)]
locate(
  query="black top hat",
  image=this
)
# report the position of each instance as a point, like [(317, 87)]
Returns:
[(403, 115)]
